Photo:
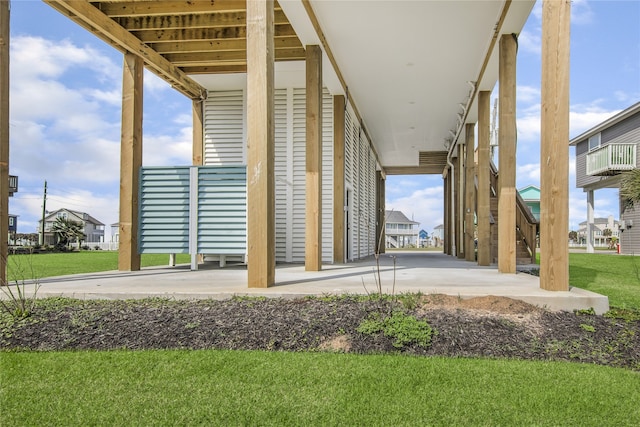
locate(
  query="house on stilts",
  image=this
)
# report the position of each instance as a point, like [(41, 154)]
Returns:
[(302, 108)]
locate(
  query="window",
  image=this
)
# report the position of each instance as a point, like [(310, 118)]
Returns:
[(61, 215), (594, 142)]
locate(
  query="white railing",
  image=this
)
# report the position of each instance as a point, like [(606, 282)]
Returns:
[(611, 158)]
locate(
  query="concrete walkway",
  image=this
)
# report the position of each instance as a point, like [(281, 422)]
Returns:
[(426, 272)]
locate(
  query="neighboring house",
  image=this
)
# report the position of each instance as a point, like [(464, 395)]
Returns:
[(603, 153), (599, 225), (423, 239), (400, 231), (91, 227), (438, 235), (531, 196)]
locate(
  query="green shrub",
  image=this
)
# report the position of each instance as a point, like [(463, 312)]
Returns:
[(404, 329)]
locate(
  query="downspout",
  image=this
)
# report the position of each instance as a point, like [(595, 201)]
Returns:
[(454, 141)]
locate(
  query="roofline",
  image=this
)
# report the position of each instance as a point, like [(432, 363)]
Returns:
[(607, 123)]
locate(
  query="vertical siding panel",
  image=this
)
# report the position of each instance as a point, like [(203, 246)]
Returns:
[(327, 177), (282, 182), (224, 130)]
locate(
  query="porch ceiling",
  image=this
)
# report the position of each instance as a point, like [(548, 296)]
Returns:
[(409, 67)]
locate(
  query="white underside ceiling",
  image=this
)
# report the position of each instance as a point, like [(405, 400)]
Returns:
[(407, 64)]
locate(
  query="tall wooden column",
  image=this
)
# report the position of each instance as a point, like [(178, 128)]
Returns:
[(507, 155), (458, 193), (469, 193), (554, 151), (446, 238), (484, 178), (261, 231), (313, 211), (381, 213), (4, 138), (130, 161), (338, 178), (197, 108)]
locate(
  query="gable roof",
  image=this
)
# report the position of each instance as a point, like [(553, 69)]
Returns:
[(397, 217), (530, 193), (82, 215), (635, 108)]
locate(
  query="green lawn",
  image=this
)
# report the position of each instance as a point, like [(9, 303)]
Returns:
[(278, 388), (60, 264), (616, 276)]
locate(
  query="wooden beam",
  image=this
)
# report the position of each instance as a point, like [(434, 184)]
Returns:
[(85, 14), (5, 13), (484, 179), (469, 193), (130, 161), (205, 58), (221, 45), (413, 170), (447, 215), (199, 34), (216, 69), (313, 211), (457, 194), (381, 216), (166, 7), (260, 145), (554, 151), (338, 178), (197, 109), (507, 155), (202, 20)]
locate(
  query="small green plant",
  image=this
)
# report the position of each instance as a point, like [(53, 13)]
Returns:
[(404, 329), (588, 328), (586, 312), (19, 301)]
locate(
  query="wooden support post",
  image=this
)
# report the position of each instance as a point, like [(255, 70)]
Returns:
[(447, 213), (197, 108), (4, 138), (261, 234), (313, 212), (554, 151), (459, 194), (130, 161), (381, 217), (507, 155), (484, 178), (469, 193), (338, 178)]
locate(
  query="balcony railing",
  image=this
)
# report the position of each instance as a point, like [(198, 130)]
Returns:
[(611, 159)]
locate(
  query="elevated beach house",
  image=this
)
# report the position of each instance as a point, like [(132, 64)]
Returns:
[(603, 153), (302, 108)]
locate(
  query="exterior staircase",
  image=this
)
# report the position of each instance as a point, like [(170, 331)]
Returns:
[(527, 226)]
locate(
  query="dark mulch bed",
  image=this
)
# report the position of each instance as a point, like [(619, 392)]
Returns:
[(480, 327)]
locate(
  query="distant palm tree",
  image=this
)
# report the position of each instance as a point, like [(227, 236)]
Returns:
[(630, 187), (67, 231)]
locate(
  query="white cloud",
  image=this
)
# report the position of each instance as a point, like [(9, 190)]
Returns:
[(528, 94), (581, 12), (528, 174), (424, 206), (530, 42)]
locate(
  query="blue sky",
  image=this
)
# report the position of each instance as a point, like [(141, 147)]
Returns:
[(65, 112)]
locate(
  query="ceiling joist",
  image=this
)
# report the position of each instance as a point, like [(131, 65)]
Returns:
[(180, 37)]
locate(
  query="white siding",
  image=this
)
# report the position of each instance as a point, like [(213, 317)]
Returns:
[(224, 128), (225, 124)]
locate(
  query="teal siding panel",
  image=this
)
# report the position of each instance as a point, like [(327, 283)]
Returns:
[(222, 210), (164, 210)]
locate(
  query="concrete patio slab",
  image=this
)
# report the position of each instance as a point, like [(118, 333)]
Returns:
[(425, 272)]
